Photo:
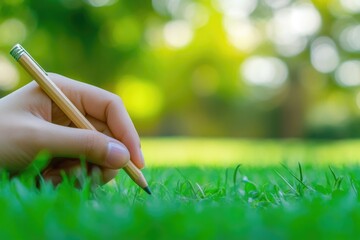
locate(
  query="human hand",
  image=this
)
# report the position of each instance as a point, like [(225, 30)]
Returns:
[(31, 122)]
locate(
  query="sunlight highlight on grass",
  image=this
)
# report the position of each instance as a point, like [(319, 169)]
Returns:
[(230, 152)]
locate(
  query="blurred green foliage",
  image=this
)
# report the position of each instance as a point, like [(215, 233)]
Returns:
[(282, 68)]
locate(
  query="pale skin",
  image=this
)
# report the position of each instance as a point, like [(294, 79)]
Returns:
[(30, 122)]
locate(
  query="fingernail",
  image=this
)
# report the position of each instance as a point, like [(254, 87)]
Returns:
[(117, 155)]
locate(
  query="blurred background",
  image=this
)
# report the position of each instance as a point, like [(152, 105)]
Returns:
[(204, 68)]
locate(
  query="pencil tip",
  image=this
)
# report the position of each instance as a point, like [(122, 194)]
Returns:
[(147, 189)]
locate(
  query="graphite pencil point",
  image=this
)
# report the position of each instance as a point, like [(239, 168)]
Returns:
[(147, 189)]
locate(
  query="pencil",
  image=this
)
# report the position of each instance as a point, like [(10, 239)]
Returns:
[(59, 98)]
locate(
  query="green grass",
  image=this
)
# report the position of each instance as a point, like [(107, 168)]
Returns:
[(236, 201)]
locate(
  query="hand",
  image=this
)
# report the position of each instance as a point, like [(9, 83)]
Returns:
[(31, 122)]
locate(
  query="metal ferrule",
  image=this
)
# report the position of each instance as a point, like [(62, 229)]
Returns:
[(17, 51)]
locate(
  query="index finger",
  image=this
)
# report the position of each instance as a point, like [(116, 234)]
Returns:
[(106, 107)]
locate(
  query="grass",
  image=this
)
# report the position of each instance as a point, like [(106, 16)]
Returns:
[(240, 200)]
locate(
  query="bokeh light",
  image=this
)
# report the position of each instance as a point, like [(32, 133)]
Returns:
[(154, 34), (276, 4), (324, 55), (12, 31), (290, 27), (349, 38), (242, 34), (178, 34), (348, 74), (197, 14), (142, 99), (124, 33), (9, 76), (236, 9), (351, 5), (264, 71)]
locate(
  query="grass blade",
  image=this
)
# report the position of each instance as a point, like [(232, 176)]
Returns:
[(287, 183), (292, 174), (235, 173)]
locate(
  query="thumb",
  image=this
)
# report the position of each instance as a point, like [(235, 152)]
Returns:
[(98, 148)]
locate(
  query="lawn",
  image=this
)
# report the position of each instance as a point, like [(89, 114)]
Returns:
[(202, 189)]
